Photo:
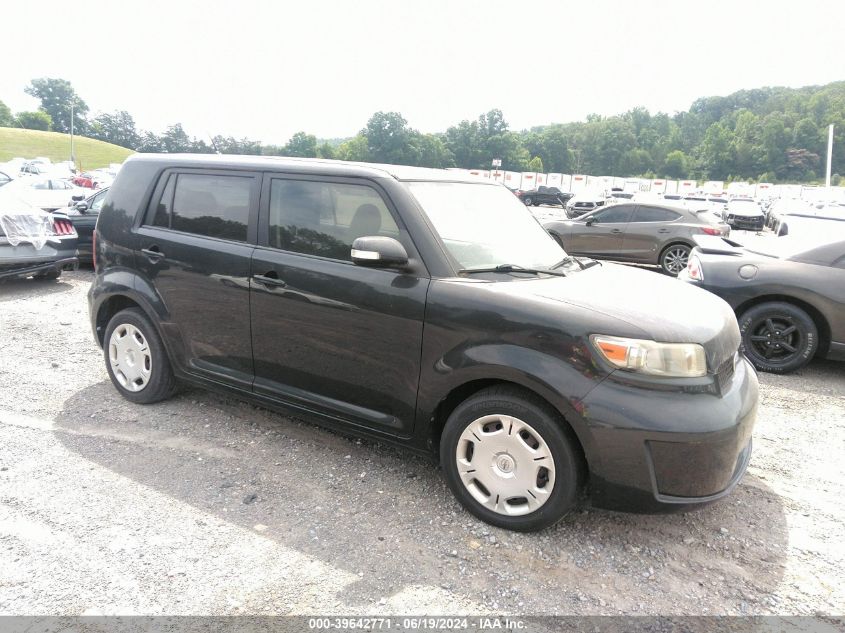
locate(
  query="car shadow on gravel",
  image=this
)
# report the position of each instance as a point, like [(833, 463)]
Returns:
[(11, 289), (387, 515)]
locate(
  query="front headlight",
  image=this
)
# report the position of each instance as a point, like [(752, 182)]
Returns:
[(676, 360)]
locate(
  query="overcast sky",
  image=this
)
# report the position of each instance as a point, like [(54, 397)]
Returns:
[(268, 69)]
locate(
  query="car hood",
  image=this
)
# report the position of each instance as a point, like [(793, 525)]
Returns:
[(665, 309)]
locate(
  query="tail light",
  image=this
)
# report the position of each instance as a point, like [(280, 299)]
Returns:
[(694, 269), (94, 249), (709, 230), (63, 227)]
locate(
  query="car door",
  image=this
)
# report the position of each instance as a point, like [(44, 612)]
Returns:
[(600, 233), (650, 228), (194, 249), (329, 336)]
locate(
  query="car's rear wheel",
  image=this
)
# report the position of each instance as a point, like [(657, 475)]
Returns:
[(528, 201), (135, 358), (674, 259), (509, 460), (778, 337)]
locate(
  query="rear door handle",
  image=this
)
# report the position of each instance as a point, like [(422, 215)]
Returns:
[(616, 231), (153, 253), (270, 282)]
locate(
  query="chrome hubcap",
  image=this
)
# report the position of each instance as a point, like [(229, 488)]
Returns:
[(129, 357), (505, 465), (675, 260)]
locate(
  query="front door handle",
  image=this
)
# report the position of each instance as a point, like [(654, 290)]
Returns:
[(153, 253), (271, 280), (616, 231), (662, 230)]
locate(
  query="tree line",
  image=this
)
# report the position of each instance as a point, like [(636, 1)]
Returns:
[(767, 134)]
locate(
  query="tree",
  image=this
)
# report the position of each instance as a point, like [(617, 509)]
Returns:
[(326, 151), (676, 165), (38, 120), (57, 96), (433, 152), (354, 149), (117, 128), (389, 139), (6, 118), (536, 165), (301, 144), (175, 139)]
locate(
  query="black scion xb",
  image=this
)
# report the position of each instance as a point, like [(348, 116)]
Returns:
[(422, 308)]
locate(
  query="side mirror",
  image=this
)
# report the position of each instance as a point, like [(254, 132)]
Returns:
[(82, 207), (378, 252), (591, 221)]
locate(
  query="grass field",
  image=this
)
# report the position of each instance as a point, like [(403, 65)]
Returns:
[(90, 154)]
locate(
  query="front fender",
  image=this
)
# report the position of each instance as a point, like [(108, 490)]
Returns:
[(563, 382)]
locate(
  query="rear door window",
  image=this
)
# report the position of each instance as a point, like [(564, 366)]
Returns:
[(654, 214), (212, 205)]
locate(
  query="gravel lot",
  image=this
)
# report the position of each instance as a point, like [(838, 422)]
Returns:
[(205, 505)]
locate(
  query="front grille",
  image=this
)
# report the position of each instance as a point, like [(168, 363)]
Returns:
[(725, 373)]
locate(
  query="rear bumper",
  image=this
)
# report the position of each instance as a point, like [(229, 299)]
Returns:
[(66, 263), (24, 259), (669, 451)]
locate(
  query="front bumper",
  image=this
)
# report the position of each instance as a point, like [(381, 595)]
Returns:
[(746, 223), (660, 451)]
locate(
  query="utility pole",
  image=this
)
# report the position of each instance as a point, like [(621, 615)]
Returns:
[(829, 155), (72, 157)]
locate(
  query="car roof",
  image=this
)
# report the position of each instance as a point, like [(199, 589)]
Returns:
[(306, 165)]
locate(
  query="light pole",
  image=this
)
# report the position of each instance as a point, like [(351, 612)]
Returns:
[(72, 157), (829, 155)]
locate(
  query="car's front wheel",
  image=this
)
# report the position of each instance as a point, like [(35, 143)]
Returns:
[(778, 337), (510, 461), (528, 201), (674, 259), (136, 360)]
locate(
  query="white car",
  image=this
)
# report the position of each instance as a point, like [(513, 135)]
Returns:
[(744, 213), (47, 193)]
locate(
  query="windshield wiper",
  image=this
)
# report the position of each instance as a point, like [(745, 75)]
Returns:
[(512, 268), (569, 259)]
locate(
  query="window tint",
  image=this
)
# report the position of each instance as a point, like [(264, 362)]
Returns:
[(654, 214), (206, 204), (324, 218), (617, 214)]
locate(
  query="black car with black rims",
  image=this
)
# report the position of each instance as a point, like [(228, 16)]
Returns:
[(788, 294), (425, 309)]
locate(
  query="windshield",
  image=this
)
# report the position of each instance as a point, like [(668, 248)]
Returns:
[(484, 226)]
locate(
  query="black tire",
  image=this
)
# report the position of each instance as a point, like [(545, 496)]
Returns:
[(48, 275), (528, 201), (671, 257), (568, 473), (161, 383), (776, 328)]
